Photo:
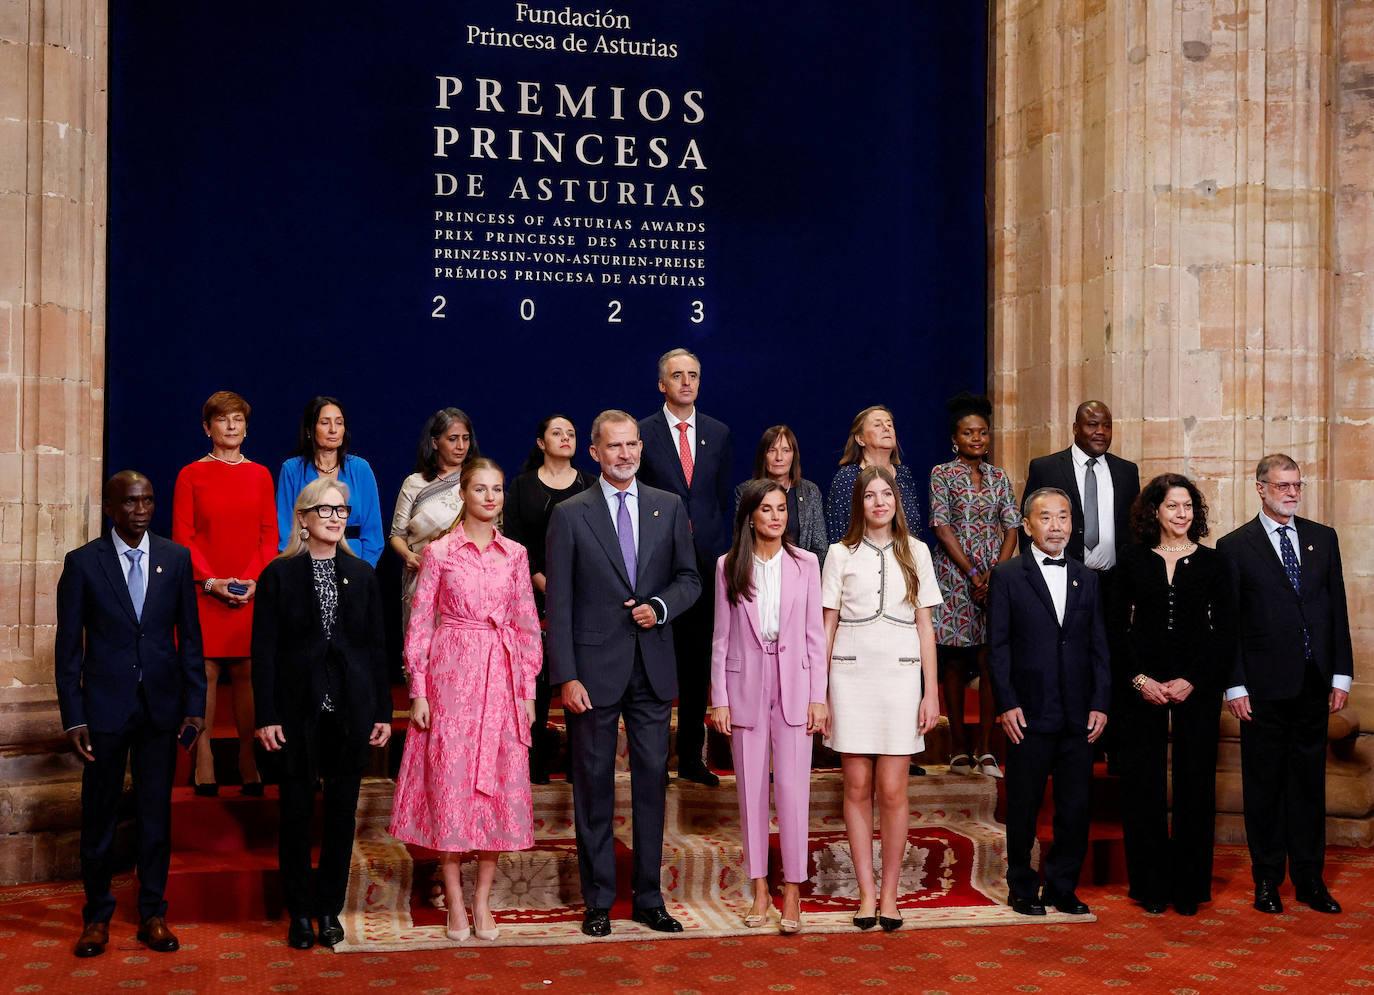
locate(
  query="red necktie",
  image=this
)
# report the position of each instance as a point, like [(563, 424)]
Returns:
[(684, 451)]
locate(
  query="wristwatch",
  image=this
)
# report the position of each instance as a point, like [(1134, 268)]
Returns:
[(1139, 681), (209, 584)]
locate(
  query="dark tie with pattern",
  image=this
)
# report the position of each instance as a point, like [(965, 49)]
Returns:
[(1294, 571)]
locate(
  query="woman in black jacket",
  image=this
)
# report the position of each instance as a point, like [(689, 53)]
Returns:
[(322, 696), (1172, 599)]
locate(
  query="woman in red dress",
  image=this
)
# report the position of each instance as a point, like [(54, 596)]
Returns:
[(224, 512)]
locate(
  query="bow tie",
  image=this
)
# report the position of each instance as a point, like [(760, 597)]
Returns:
[(1054, 563)]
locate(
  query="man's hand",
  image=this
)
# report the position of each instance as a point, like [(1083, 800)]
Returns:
[(643, 614), (1240, 707), (817, 718), (1013, 720), (720, 719), (1178, 689), (81, 742), (191, 722), (575, 697), (271, 738), (381, 732), (1338, 699), (1097, 721)]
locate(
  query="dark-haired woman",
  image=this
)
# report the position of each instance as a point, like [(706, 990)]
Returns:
[(1171, 599), (768, 684), (430, 500), (778, 459), (322, 452), (973, 515), (547, 479)]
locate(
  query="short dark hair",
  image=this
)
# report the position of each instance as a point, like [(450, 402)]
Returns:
[(770, 436), (1145, 524), (305, 442)]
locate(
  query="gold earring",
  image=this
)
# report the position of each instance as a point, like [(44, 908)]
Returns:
[(305, 533)]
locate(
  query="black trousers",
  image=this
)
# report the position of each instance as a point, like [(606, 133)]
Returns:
[(1162, 867), (1068, 756), (319, 892), (692, 631), (539, 747), (1283, 776), (592, 741), (151, 755)]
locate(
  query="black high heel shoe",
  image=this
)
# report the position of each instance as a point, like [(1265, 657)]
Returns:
[(208, 790), (865, 922)]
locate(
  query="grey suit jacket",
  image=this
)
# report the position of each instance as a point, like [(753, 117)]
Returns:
[(811, 510), (591, 637)]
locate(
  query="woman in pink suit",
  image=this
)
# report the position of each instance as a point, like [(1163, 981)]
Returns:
[(472, 651), (768, 680)]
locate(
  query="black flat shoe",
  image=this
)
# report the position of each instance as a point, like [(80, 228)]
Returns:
[(208, 790), (889, 924), (300, 935), (1070, 904), (699, 775), (916, 770), (1027, 906), (1267, 899), (658, 920), (252, 789), (1186, 908), (865, 922), (1317, 898), (331, 931), (596, 922)]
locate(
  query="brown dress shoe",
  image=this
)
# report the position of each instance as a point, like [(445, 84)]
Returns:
[(155, 935), (94, 936)]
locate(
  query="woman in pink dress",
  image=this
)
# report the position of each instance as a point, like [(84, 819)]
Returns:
[(472, 651)]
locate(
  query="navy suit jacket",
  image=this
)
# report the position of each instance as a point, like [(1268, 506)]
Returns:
[(1056, 470), (591, 637), (1056, 674), (709, 499), (103, 651)]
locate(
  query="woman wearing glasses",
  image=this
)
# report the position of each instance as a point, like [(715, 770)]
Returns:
[(322, 697)]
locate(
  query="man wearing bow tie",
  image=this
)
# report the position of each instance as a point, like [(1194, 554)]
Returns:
[(1051, 678), (1293, 667)]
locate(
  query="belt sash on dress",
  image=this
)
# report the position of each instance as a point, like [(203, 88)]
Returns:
[(501, 658)]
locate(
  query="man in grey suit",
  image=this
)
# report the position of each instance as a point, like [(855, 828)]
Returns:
[(620, 567)]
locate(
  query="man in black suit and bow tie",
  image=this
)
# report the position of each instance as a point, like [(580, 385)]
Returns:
[(1051, 677), (130, 679), (620, 569), (1293, 667), (689, 454)]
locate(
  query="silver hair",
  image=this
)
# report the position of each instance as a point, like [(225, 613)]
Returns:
[(1037, 494), (672, 354), (606, 417), (1274, 461)]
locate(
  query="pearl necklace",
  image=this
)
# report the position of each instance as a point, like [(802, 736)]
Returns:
[(228, 462), (1184, 548)]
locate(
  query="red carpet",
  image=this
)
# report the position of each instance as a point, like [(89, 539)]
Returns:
[(1228, 948)]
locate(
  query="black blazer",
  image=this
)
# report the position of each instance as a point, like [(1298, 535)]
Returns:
[(1055, 674), (708, 499), (1189, 635), (591, 637), (1270, 616), (290, 652), (102, 650), (1056, 470)]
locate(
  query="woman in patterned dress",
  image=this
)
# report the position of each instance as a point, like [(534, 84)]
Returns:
[(973, 514), (472, 652)]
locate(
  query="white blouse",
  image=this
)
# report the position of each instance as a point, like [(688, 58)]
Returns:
[(768, 594)]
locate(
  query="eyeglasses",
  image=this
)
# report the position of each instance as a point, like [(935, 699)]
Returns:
[(332, 510), (1285, 486)]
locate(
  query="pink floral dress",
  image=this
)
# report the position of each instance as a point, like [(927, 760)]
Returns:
[(472, 649)]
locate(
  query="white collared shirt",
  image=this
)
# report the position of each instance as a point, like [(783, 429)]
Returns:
[(612, 497), (1339, 682), (1103, 555), (673, 421), (1056, 579), (768, 595), (122, 547)]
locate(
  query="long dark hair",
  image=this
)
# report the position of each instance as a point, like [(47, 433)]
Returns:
[(1144, 512), (770, 436), (901, 533), (427, 454), (739, 562), (535, 459), (305, 442)]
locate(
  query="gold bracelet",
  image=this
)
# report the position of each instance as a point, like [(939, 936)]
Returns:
[(1139, 681)]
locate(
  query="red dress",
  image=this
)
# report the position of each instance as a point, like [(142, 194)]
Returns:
[(226, 515)]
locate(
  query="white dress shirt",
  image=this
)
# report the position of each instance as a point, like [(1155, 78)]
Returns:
[(768, 595), (612, 496), (1103, 555), (122, 547), (1056, 579), (1339, 682), (673, 421)]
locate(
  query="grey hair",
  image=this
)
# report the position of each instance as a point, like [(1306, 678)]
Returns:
[(1274, 461), (672, 354), (606, 417), (1037, 494)]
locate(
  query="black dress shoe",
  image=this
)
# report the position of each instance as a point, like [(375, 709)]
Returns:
[(916, 770), (596, 922), (1317, 898), (1156, 908), (700, 775), (1070, 904), (300, 934), (331, 931), (207, 790), (658, 920), (889, 924), (1027, 906), (1267, 898), (1185, 908)]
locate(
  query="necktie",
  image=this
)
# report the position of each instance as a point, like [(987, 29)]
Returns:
[(136, 581), (1054, 563), (1294, 572), (684, 451), (625, 531), (1090, 524)]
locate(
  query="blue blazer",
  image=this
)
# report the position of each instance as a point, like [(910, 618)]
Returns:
[(709, 498), (103, 650), (364, 531), (1056, 674)]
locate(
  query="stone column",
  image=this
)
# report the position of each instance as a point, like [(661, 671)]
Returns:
[(52, 317), (1178, 189)]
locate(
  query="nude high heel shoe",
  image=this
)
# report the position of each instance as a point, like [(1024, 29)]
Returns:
[(488, 934), (458, 935)]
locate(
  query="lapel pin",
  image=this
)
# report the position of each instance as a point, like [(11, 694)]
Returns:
[(1310, 548), (345, 580), (1075, 583), (703, 442), (159, 569), (655, 512), (1185, 559)]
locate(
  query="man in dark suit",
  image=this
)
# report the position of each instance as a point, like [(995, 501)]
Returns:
[(1293, 667), (688, 454), (1052, 680), (1101, 487), (620, 569), (130, 680)]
